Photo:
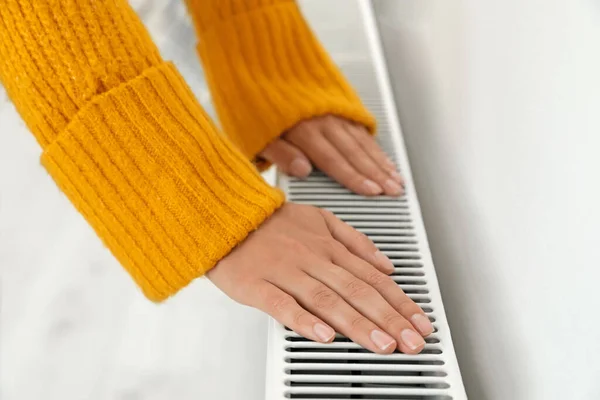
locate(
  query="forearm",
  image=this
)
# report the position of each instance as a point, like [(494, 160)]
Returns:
[(267, 71), (125, 139)]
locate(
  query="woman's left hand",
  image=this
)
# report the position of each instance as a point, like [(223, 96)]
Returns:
[(340, 148)]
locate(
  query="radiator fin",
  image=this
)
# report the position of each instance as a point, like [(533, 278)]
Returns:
[(301, 369)]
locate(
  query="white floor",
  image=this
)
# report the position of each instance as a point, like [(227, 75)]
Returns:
[(72, 323)]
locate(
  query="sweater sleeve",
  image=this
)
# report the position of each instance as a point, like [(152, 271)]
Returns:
[(267, 71), (126, 141)]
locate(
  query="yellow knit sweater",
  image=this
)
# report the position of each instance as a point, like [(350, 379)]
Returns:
[(125, 139)]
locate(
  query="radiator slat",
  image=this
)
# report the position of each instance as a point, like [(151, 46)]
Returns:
[(301, 369)]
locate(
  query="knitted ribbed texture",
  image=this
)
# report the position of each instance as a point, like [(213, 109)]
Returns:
[(267, 71), (56, 55), (126, 140)]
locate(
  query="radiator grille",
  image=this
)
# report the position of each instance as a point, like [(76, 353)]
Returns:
[(300, 369)]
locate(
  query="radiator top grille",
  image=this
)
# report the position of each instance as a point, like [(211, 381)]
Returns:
[(301, 369)]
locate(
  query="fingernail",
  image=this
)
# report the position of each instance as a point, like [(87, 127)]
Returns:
[(300, 167), (412, 339), (390, 162), (323, 332), (382, 260), (381, 339), (422, 323), (371, 187), (397, 177), (392, 187)]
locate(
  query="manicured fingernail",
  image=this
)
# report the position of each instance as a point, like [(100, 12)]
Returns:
[(371, 187), (412, 339), (323, 332), (392, 187), (382, 260), (381, 339), (396, 176), (422, 323), (300, 167)]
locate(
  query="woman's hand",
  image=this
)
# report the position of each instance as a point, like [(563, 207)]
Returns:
[(315, 274), (340, 148)]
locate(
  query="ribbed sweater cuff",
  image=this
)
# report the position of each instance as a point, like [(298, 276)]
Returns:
[(267, 72), (167, 195)]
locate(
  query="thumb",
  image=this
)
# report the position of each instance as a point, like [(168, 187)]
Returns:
[(288, 158)]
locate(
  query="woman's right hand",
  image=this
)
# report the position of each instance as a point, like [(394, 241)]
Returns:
[(315, 274)]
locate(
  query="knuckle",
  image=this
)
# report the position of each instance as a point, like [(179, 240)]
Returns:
[(325, 298), (394, 320), (299, 316), (358, 321), (378, 279), (357, 289), (280, 303), (296, 247), (406, 306)]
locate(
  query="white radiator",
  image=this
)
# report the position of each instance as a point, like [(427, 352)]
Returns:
[(301, 369)]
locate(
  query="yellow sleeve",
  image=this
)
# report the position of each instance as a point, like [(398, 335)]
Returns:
[(267, 71), (125, 139)]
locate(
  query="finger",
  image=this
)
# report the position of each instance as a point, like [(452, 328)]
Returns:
[(386, 286), (285, 309), (349, 147), (330, 307), (288, 158), (330, 161), (365, 299), (356, 242), (369, 144)]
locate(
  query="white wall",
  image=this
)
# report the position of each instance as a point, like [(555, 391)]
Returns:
[(500, 105)]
